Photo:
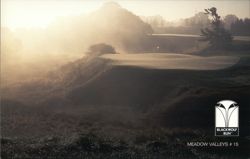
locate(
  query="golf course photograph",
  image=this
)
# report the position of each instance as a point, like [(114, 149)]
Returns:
[(125, 79)]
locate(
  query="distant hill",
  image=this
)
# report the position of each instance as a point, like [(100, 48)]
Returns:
[(110, 24)]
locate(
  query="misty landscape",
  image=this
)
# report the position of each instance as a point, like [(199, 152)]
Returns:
[(113, 84)]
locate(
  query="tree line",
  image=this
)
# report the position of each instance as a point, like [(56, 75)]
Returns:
[(236, 26), (241, 27)]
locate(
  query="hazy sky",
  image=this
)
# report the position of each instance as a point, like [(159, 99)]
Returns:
[(39, 13)]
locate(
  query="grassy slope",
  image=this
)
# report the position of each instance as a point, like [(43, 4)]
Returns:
[(134, 105), (167, 93)]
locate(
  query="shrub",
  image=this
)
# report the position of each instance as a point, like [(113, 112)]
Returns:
[(101, 48)]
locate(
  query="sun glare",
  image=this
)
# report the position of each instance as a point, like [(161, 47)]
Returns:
[(29, 14), (38, 13)]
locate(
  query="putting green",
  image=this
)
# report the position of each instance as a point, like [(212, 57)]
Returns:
[(172, 61)]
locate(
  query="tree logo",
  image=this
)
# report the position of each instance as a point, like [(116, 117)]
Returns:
[(226, 118)]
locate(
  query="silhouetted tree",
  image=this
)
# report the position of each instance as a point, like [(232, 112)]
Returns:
[(216, 35)]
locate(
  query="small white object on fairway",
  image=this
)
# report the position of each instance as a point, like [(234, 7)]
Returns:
[(172, 61)]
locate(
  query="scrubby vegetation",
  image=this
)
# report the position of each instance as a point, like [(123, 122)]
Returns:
[(100, 49), (143, 145)]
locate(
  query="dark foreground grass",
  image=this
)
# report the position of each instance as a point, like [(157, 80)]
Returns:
[(142, 146)]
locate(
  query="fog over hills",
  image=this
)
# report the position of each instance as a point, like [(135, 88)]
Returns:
[(126, 96), (144, 85), (111, 24), (68, 38)]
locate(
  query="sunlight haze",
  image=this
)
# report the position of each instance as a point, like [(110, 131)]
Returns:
[(28, 14)]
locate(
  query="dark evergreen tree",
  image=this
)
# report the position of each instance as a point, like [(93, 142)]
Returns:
[(217, 36)]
